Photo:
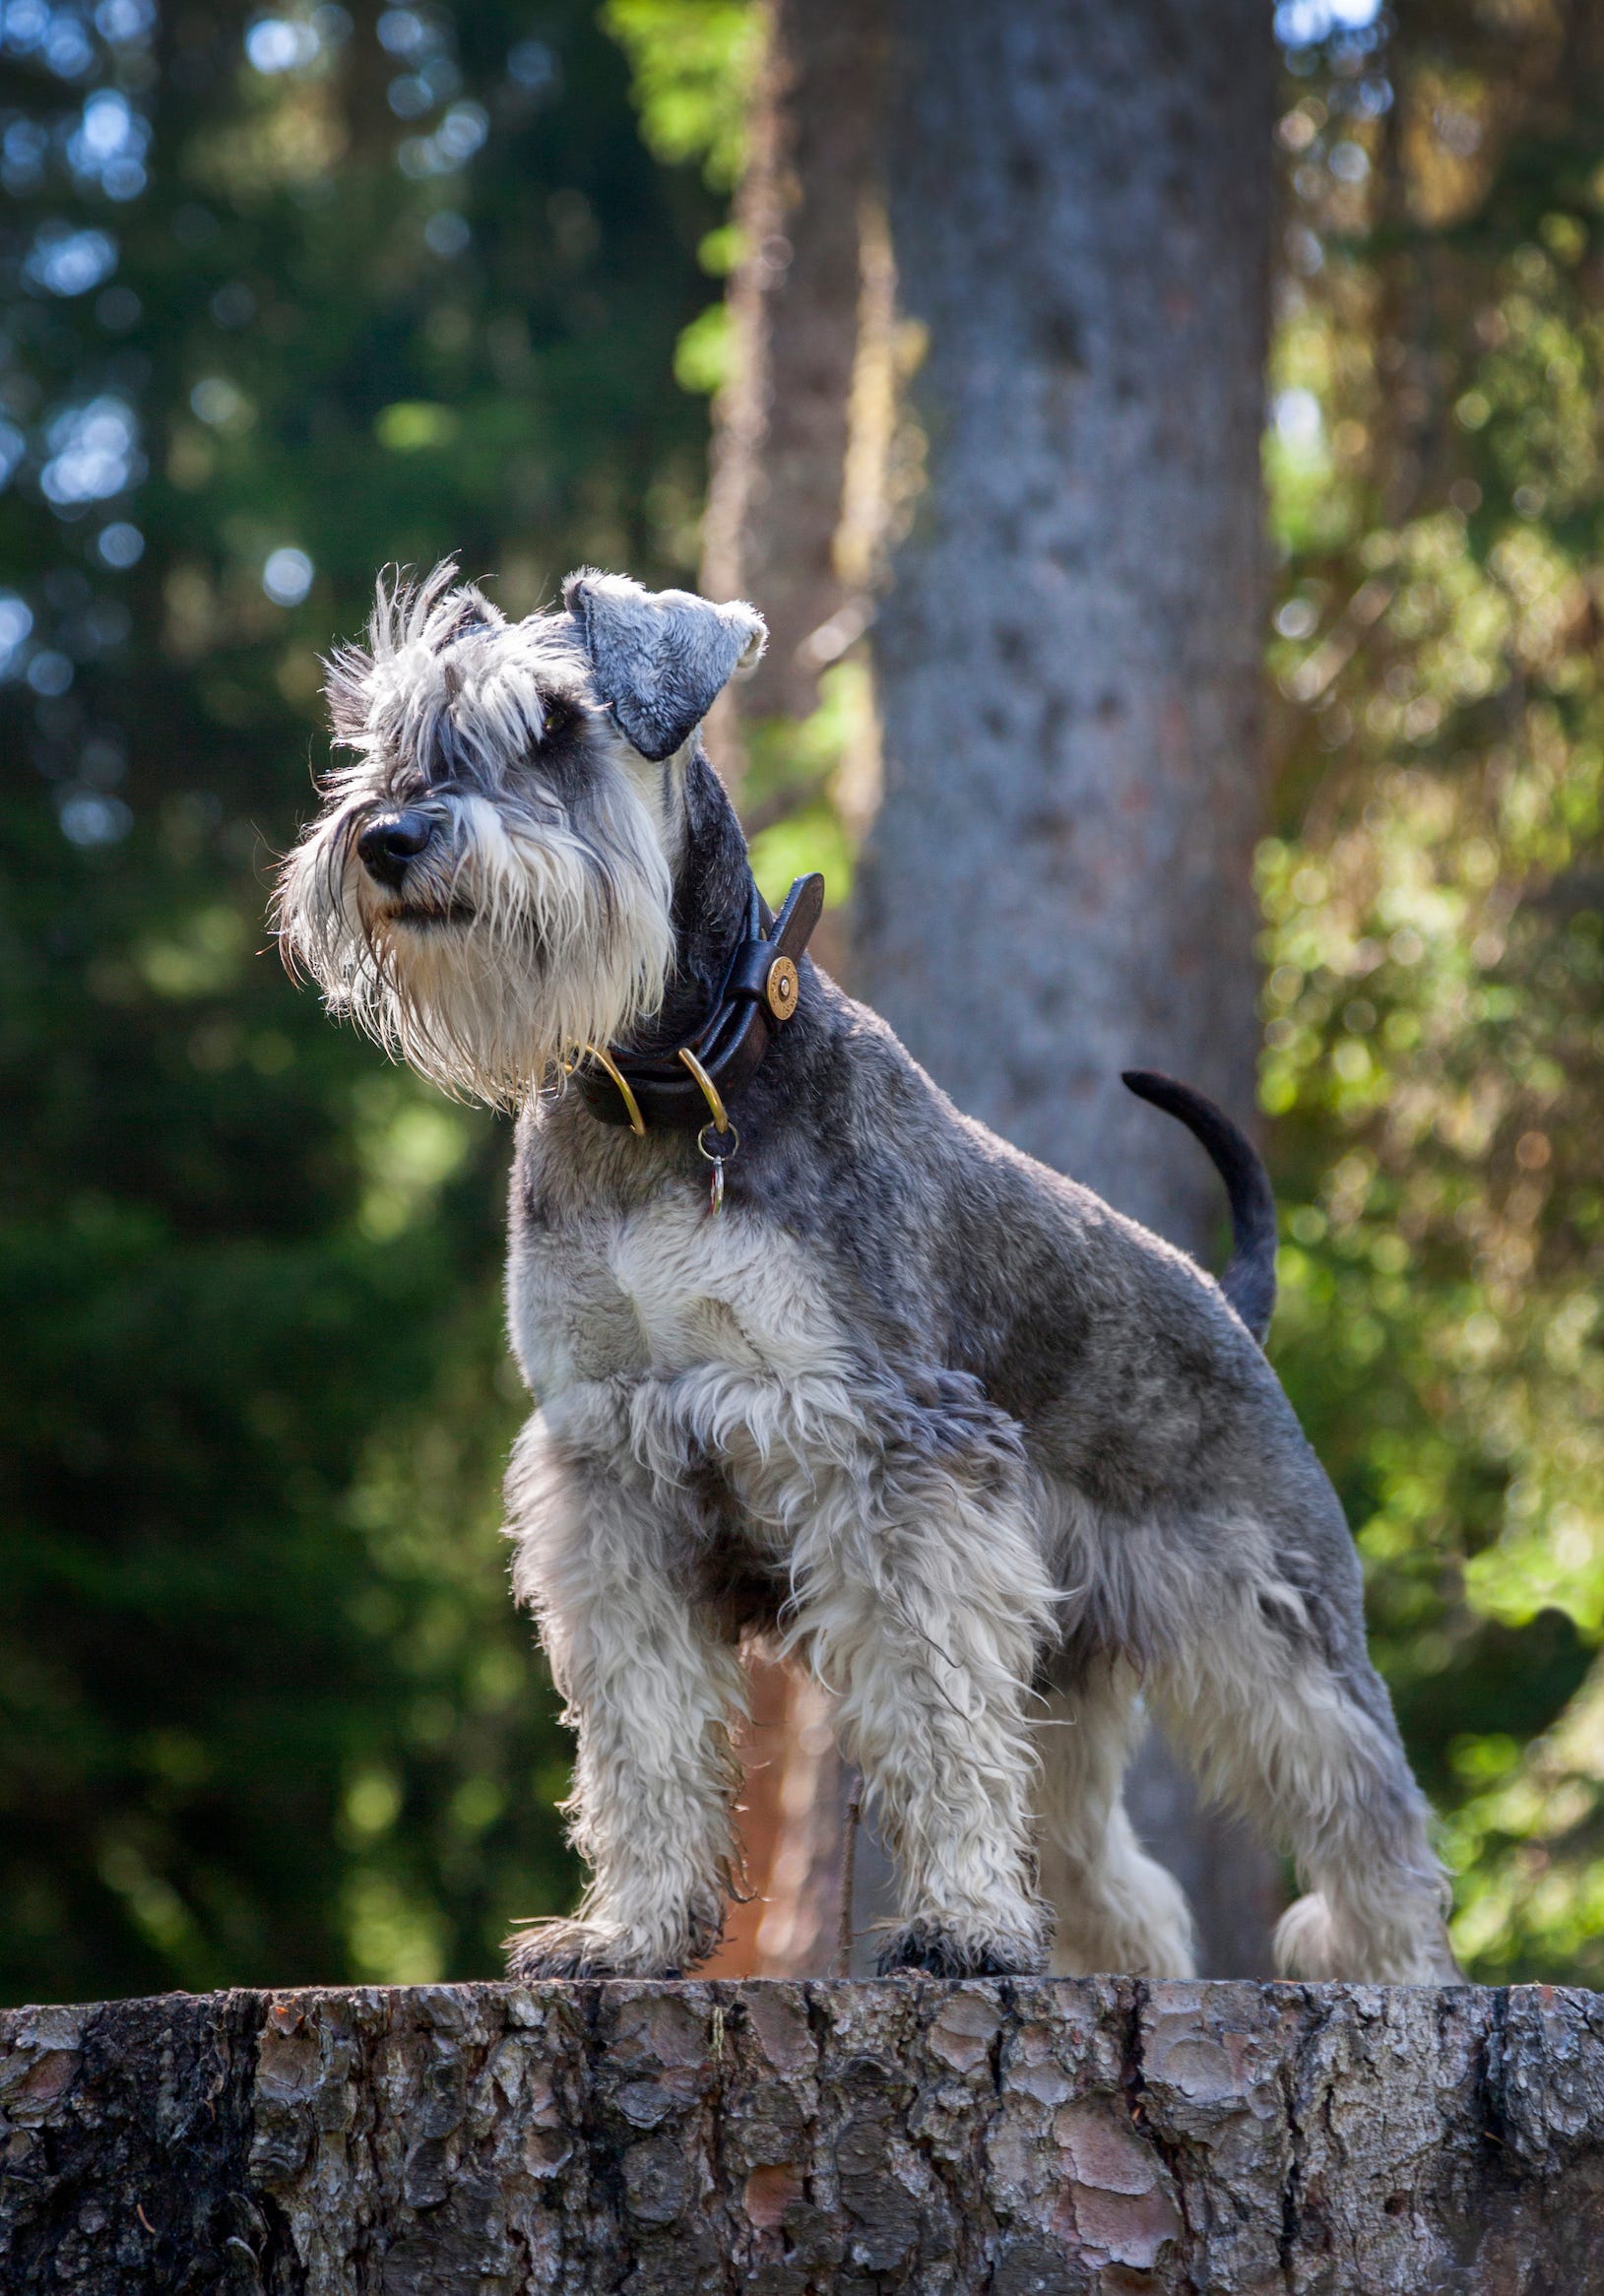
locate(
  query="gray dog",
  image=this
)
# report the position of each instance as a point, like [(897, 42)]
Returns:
[(815, 1356)]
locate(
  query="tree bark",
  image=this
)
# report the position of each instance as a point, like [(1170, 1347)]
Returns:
[(1067, 661), (806, 285), (1047, 2137)]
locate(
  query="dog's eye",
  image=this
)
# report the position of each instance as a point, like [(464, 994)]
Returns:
[(557, 718)]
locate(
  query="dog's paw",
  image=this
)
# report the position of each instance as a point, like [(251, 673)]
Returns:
[(598, 1948), (577, 1949), (565, 1948), (1312, 1942), (941, 1952)]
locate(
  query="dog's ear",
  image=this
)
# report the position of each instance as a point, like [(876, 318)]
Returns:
[(661, 658)]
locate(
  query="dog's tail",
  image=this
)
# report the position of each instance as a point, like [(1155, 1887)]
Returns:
[(1248, 1281)]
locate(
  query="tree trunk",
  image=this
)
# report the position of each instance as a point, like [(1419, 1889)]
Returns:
[(1068, 661), (808, 282), (1048, 2137)]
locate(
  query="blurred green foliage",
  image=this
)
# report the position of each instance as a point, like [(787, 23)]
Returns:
[(1435, 906), (694, 67), (281, 296)]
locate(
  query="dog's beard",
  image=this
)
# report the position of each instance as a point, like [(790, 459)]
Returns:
[(516, 940)]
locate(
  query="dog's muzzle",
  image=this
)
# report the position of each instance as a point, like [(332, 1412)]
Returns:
[(387, 847)]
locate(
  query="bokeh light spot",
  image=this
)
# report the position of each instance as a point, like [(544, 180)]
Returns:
[(288, 576), (447, 233), (121, 545)]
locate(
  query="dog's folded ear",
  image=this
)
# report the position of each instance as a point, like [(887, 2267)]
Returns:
[(660, 657)]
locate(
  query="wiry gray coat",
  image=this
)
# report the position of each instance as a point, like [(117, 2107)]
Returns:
[(987, 1455)]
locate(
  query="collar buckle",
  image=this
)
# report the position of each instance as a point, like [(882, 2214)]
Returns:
[(675, 1089)]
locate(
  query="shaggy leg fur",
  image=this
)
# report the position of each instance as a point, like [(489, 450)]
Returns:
[(925, 1625), (652, 1694), (1304, 1740), (1115, 1908)]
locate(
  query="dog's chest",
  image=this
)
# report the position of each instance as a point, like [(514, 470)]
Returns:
[(665, 1289)]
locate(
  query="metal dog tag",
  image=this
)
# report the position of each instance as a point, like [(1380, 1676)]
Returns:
[(718, 1157)]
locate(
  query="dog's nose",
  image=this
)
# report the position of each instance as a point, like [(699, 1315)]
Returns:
[(386, 847)]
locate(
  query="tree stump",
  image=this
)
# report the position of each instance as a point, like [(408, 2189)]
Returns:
[(1027, 2139)]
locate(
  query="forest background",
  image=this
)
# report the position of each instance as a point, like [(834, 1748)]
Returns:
[(286, 295)]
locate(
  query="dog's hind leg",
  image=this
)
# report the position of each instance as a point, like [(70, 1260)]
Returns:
[(1115, 1909), (1284, 1716), (652, 1692)]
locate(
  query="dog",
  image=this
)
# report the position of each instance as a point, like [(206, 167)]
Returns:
[(815, 1357)]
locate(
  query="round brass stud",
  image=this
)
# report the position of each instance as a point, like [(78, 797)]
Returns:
[(781, 988)]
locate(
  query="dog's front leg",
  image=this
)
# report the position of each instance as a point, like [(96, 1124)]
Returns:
[(924, 1617), (652, 1694)]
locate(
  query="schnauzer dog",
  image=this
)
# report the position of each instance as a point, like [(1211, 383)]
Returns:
[(815, 1356)]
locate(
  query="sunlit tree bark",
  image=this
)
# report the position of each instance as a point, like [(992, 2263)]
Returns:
[(1067, 661)]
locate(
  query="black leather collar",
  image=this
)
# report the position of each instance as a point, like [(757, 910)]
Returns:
[(759, 993)]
